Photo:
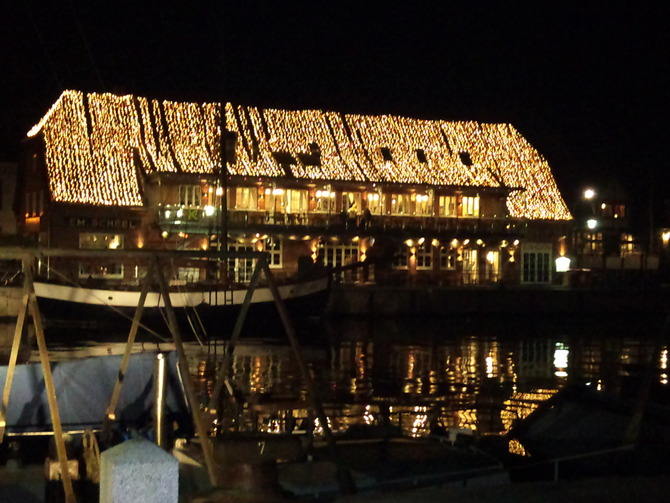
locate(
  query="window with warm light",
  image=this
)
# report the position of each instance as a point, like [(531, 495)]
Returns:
[(324, 200), (272, 246), (96, 269), (100, 241), (246, 198), (470, 265), (190, 196), (424, 256), (240, 269), (422, 204), (400, 203), (351, 202), (374, 202), (448, 256), (295, 201), (338, 254), (469, 206), (447, 206), (188, 274)]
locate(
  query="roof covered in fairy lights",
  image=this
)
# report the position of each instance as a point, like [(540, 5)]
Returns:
[(98, 145)]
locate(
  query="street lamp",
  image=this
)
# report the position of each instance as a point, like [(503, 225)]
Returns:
[(592, 223), (589, 194)]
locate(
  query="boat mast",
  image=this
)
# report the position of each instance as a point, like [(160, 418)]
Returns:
[(223, 210)]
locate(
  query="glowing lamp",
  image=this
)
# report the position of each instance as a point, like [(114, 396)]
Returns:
[(592, 223), (562, 264), (209, 210), (589, 194)]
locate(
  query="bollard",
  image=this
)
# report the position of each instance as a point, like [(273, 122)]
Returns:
[(138, 470)]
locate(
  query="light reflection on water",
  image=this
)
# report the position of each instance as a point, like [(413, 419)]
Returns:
[(424, 377)]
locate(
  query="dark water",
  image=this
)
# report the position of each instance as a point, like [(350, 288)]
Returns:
[(433, 374), (424, 375)]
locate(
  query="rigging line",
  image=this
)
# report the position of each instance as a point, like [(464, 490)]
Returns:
[(104, 302), (187, 304), (86, 45), (50, 62)]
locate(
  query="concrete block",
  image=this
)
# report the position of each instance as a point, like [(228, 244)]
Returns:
[(138, 470)]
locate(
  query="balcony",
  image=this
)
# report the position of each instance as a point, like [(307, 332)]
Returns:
[(196, 220)]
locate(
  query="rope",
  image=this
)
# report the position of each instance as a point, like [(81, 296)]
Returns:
[(91, 456), (104, 301)]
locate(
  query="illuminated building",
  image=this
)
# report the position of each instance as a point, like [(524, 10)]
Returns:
[(452, 202), (603, 244)]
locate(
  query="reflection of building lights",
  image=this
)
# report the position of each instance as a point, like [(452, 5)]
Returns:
[(561, 356), (489, 366), (180, 213), (592, 223)]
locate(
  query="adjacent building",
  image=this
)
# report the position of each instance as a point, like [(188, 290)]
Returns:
[(414, 200)]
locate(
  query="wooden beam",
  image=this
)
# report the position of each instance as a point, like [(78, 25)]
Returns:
[(16, 344), (144, 253), (110, 413), (345, 479), (48, 383), (200, 428), (216, 399)]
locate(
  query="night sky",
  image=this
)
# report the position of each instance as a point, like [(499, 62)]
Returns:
[(585, 84)]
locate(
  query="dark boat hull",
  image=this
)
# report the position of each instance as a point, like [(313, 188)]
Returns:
[(212, 317)]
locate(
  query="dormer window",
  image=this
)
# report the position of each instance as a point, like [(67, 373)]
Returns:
[(386, 154), (421, 156), (465, 158)]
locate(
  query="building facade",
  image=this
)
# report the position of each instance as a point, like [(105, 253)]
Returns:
[(413, 200)]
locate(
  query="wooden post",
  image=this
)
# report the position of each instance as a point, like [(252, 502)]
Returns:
[(200, 429), (110, 413), (13, 357), (48, 381), (345, 479), (159, 399)]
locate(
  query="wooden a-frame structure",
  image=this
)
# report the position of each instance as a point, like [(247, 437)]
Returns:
[(155, 274)]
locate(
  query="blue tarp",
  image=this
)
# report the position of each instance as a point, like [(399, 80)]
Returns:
[(83, 390)]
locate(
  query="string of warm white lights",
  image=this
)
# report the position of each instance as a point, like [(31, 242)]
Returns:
[(92, 142)]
